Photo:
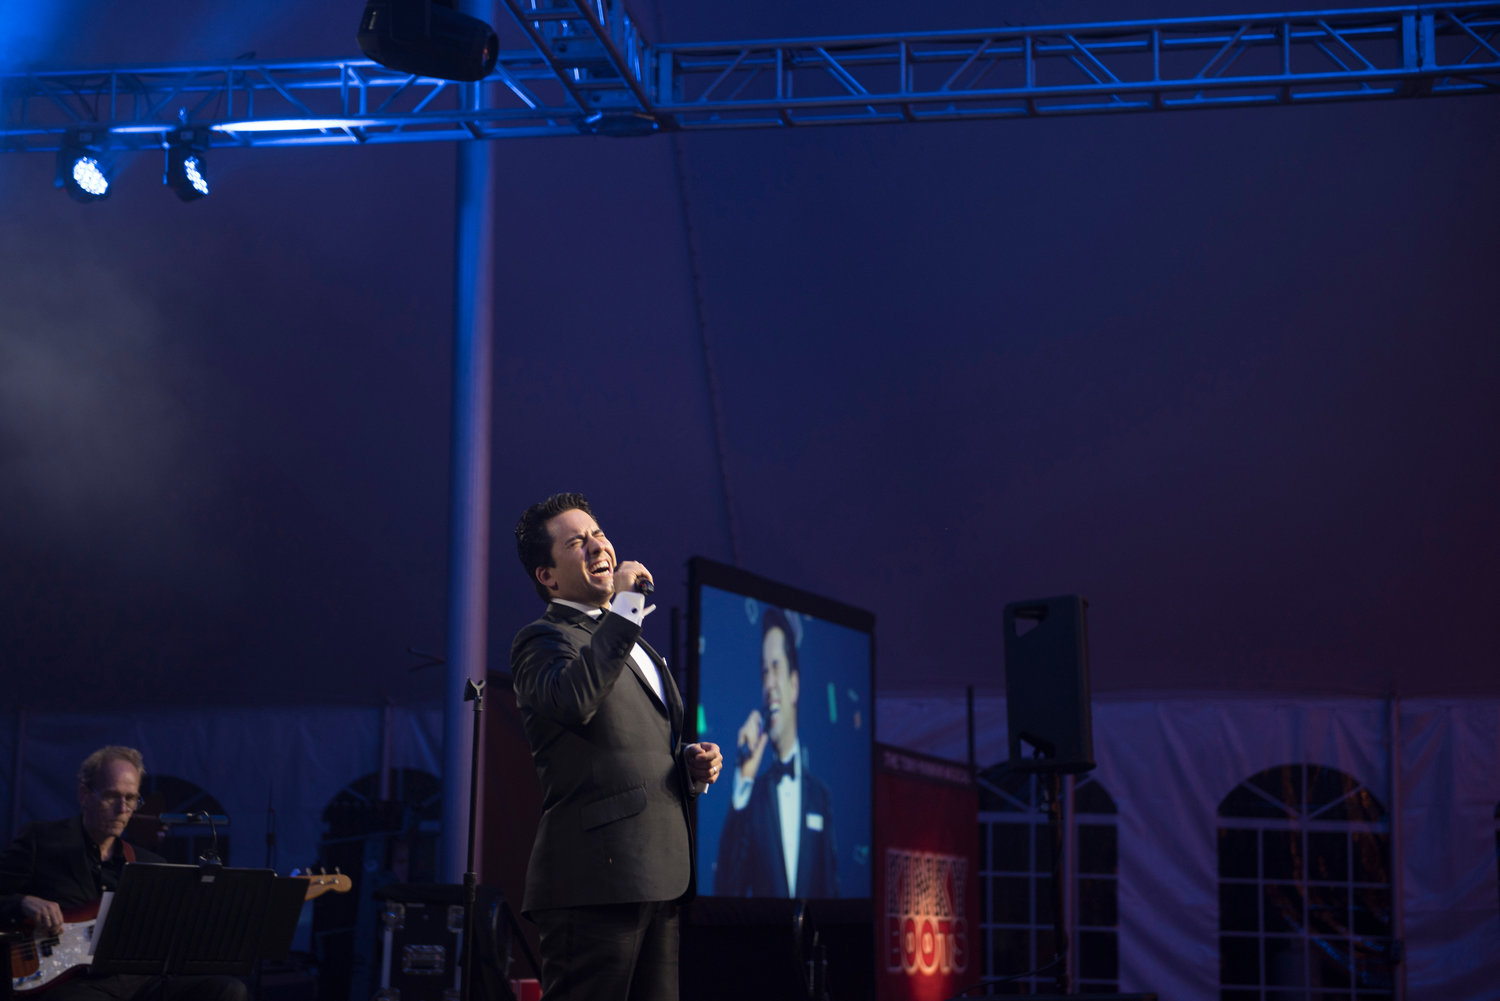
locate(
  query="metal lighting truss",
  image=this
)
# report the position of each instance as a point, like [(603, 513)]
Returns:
[(588, 70)]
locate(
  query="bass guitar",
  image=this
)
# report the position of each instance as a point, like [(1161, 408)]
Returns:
[(40, 960)]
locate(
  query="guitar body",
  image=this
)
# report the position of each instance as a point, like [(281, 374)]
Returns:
[(43, 960)]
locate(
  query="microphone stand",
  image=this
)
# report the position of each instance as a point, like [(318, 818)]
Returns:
[(1053, 794), (270, 832), (473, 692), (211, 856)]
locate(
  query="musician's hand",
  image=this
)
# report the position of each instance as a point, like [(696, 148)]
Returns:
[(43, 914)]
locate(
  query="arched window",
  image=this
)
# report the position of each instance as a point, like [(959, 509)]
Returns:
[(1304, 888), (162, 824), (1015, 884)]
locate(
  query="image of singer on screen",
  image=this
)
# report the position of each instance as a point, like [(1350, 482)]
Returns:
[(778, 835)]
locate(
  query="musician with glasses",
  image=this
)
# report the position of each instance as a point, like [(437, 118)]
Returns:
[(57, 867)]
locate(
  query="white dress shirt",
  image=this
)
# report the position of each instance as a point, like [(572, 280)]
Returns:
[(789, 810)]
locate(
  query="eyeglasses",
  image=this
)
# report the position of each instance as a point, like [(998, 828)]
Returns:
[(129, 800)]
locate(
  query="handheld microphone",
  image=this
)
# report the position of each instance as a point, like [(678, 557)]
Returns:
[(745, 748), (644, 586)]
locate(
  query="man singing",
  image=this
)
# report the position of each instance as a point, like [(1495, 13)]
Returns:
[(778, 837), (613, 856)]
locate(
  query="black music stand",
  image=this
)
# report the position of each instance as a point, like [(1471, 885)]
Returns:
[(187, 920)]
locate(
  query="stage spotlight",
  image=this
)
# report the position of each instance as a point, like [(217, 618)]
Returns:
[(185, 173), (83, 172), (428, 38)]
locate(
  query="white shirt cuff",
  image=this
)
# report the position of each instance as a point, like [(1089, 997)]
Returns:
[(632, 605), (742, 786)]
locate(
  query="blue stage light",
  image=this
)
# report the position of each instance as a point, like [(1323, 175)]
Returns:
[(88, 174), (185, 173), (83, 172), (192, 172)]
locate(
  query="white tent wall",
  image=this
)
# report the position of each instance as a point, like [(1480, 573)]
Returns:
[(1450, 779), (1167, 762)]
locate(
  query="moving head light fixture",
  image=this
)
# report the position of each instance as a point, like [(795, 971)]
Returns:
[(82, 169), (428, 38), (184, 172)]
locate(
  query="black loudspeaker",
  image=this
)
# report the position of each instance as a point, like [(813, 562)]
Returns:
[(1047, 684), (428, 38)]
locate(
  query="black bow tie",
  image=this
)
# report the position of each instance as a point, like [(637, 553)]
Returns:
[(783, 769)]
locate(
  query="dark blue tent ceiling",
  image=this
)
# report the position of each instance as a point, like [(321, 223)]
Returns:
[(1229, 374)]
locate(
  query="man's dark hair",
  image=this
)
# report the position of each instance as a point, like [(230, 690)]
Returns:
[(775, 618), (534, 542)]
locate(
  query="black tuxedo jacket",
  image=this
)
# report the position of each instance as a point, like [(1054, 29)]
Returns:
[(48, 859), (752, 861), (615, 826)]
